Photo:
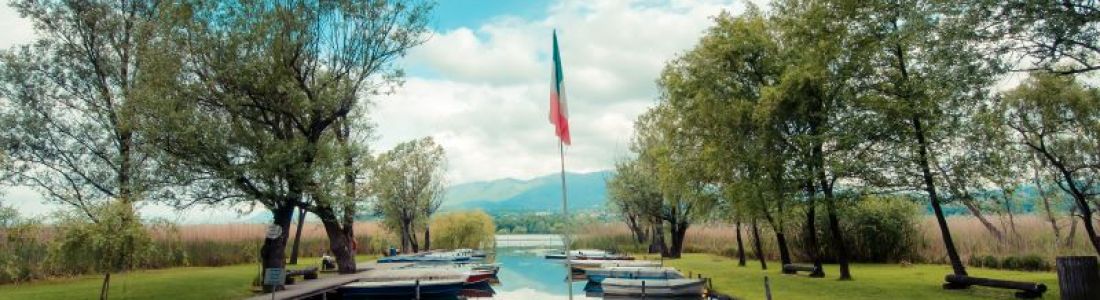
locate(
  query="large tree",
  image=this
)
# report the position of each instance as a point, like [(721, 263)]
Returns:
[(1058, 119), (408, 186), (252, 97), (928, 75), (69, 102)]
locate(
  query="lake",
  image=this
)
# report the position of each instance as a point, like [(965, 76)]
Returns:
[(525, 274)]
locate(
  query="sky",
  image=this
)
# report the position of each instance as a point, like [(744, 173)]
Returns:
[(480, 85)]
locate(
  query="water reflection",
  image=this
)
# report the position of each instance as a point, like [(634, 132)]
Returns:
[(527, 275)]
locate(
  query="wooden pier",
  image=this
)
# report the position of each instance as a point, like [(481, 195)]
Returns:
[(302, 289)]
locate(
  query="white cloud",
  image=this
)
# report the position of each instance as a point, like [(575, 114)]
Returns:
[(486, 99), (16, 30)]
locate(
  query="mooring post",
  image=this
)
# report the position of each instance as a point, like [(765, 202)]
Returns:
[(767, 288)]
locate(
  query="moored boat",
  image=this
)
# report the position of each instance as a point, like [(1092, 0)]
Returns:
[(653, 287), (402, 288), (599, 274)]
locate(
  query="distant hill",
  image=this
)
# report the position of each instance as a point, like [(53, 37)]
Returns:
[(586, 191)]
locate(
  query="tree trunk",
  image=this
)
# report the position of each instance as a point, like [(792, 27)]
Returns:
[(757, 247), (977, 212), (930, 188), (428, 238), (780, 239), (838, 237), (740, 246), (811, 238), (657, 244), (273, 251), (103, 289), (1072, 228), (412, 240), (1046, 206), (339, 244), (679, 231), (297, 236)]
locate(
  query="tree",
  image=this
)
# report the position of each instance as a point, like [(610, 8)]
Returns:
[(1057, 119), (407, 182), (249, 104), (1062, 37), (69, 103), (927, 73)]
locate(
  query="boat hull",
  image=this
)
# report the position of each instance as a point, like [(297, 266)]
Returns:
[(654, 287), (401, 289)]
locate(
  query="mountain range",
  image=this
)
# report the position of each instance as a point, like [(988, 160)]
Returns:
[(540, 194)]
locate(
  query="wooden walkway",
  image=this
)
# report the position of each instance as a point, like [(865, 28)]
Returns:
[(308, 288)]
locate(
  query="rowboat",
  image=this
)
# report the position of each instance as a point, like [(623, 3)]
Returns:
[(591, 264), (653, 287), (422, 259), (598, 275), (402, 288)]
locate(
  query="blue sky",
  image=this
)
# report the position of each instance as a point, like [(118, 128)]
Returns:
[(480, 85)]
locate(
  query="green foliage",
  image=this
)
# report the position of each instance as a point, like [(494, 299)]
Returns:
[(114, 241), (1028, 262), (883, 229), (456, 230), (408, 185), (23, 252)]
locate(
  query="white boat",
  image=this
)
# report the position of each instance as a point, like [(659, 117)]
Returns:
[(403, 288), (599, 274), (653, 287), (590, 264)]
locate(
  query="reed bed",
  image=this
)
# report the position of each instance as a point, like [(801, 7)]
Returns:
[(1033, 236)]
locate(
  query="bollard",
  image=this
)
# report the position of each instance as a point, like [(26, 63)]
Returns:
[(767, 288), (418, 289), (643, 289), (1078, 277)]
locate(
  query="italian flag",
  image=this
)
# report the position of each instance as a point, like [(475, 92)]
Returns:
[(559, 110)]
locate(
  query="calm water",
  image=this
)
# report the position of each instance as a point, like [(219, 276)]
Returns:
[(526, 275)]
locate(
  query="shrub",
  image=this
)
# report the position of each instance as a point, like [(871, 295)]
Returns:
[(472, 229), (876, 229)]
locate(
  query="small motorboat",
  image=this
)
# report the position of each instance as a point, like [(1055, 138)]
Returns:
[(403, 288), (598, 275), (653, 287), (475, 277), (604, 257)]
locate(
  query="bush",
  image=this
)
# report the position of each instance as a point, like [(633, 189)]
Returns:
[(455, 230), (875, 229), (1030, 262)]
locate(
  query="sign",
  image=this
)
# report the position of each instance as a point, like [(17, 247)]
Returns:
[(274, 231), (274, 276)]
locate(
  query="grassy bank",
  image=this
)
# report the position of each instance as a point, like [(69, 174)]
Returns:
[(228, 282), (872, 281)]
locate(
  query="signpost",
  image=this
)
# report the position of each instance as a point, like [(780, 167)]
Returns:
[(275, 278), (274, 231)]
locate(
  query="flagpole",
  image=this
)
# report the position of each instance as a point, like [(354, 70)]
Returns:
[(565, 212)]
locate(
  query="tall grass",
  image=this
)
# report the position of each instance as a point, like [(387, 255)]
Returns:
[(31, 250), (1033, 236)]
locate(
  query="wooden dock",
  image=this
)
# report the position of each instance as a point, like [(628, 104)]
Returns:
[(302, 289)]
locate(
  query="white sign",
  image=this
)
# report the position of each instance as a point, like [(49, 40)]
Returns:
[(274, 276), (274, 231)]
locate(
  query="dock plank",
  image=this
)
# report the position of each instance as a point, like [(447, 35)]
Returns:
[(307, 288)]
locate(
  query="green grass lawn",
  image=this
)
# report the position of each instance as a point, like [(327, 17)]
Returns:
[(230, 282), (872, 281)]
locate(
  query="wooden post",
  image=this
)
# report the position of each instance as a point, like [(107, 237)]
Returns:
[(767, 288), (1078, 277)]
